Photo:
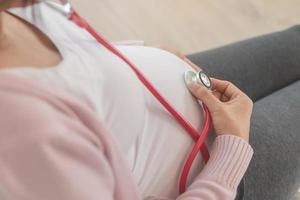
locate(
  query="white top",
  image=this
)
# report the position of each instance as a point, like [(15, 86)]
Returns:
[(155, 144)]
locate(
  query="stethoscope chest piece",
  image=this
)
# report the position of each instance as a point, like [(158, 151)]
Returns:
[(200, 77)]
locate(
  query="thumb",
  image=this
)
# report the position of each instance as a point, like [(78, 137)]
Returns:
[(205, 95)]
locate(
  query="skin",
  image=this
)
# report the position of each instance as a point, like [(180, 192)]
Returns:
[(230, 108), (21, 44)]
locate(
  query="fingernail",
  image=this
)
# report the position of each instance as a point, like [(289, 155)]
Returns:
[(194, 85)]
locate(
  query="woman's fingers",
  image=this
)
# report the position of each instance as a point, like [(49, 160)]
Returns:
[(228, 118), (226, 88), (205, 95), (220, 96), (223, 91), (217, 94)]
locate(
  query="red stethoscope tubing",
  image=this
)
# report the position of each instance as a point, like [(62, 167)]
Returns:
[(199, 138)]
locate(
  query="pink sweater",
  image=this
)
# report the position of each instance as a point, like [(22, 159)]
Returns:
[(52, 146)]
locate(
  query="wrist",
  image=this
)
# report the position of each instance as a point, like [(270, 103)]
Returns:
[(244, 137), (230, 158), (242, 134)]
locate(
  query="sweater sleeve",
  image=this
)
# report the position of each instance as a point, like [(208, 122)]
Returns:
[(47, 154), (222, 174), (219, 179)]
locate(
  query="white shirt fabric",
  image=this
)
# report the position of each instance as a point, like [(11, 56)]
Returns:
[(154, 143)]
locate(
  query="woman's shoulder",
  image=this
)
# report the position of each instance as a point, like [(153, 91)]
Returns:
[(35, 111), (31, 98), (51, 18), (26, 95), (42, 138)]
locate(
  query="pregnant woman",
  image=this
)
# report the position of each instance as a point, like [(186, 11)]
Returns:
[(76, 122)]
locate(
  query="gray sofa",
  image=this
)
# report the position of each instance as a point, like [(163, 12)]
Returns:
[(267, 69)]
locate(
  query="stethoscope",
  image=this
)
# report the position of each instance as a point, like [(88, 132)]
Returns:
[(189, 76)]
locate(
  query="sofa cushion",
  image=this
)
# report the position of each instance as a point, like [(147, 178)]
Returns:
[(259, 66), (275, 137)]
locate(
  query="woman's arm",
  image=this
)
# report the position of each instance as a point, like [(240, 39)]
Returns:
[(222, 174), (220, 177), (46, 152), (62, 164)]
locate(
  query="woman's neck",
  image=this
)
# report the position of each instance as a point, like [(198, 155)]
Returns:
[(1, 25), (3, 35), (6, 4)]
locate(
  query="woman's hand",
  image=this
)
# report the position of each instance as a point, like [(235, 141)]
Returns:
[(230, 108)]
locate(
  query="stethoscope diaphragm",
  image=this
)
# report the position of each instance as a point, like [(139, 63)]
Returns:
[(200, 77)]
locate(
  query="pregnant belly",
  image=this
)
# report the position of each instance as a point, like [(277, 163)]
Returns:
[(161, 147)]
